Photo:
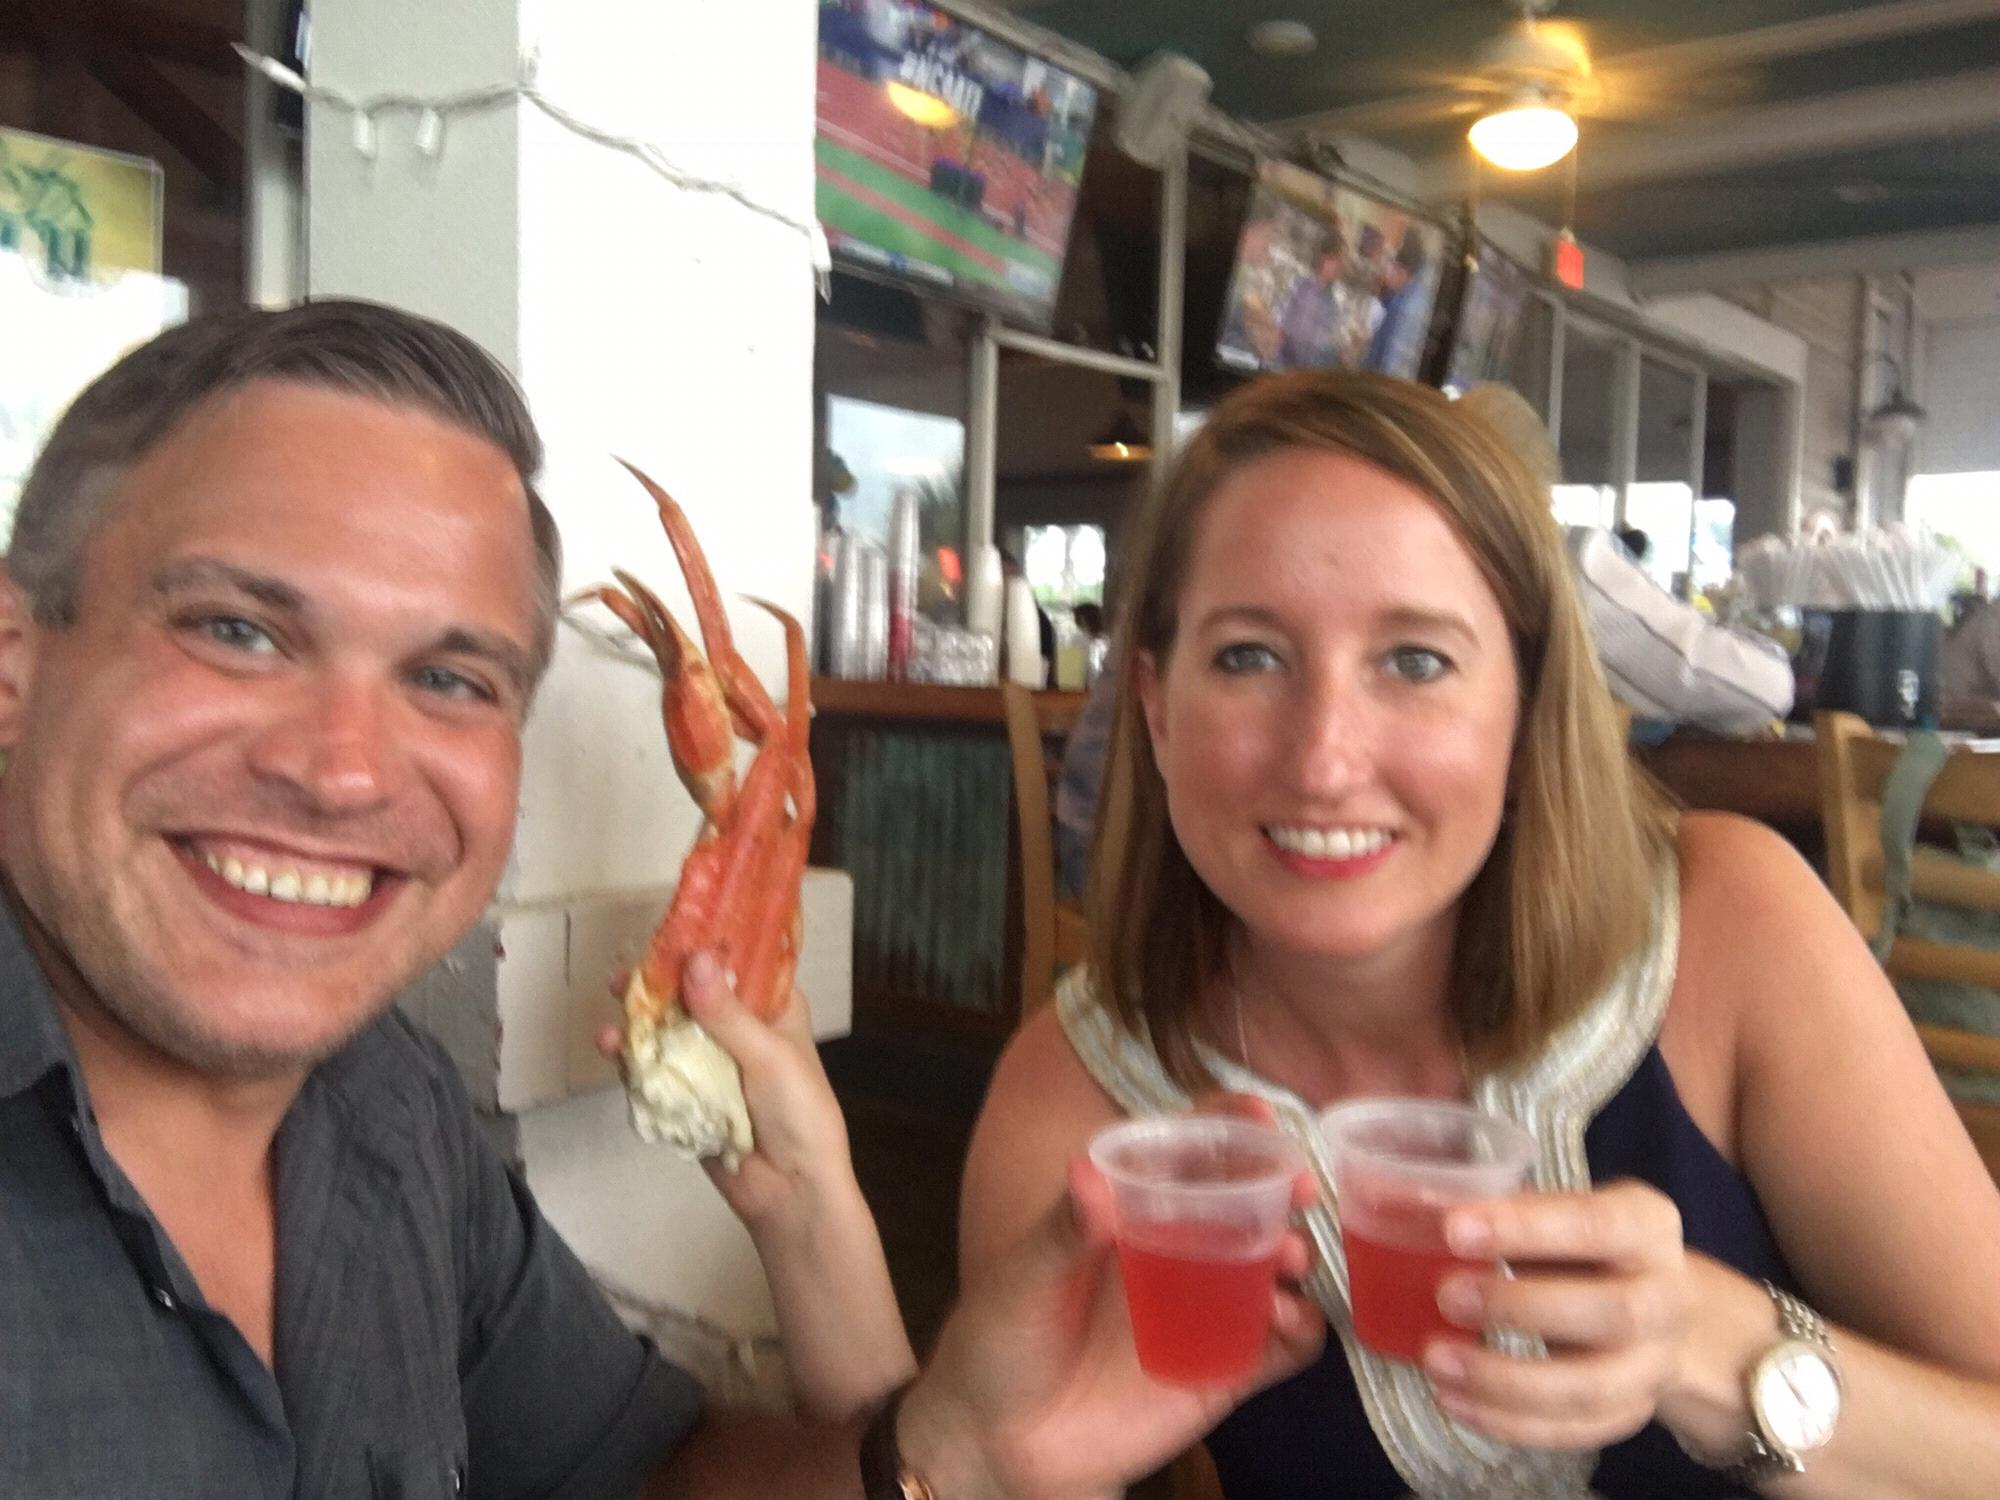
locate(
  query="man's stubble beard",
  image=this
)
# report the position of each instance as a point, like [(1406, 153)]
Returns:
[(120, 983)]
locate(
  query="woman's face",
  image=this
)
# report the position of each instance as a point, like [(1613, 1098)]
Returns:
[(1335, 719)]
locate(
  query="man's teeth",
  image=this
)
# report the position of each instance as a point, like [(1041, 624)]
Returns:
[(1329, 843), (315, 889)]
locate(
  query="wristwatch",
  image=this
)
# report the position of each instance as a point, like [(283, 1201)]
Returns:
[(884, 1475), (1794, 1393)]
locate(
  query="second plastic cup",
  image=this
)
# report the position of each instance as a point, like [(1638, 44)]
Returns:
[(1202, 1202), (1399, 1165)]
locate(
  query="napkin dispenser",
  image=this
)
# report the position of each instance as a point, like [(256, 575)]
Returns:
[(1879, 663)]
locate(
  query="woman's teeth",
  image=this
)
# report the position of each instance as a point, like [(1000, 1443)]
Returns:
[(1329, 843), (314, 889)]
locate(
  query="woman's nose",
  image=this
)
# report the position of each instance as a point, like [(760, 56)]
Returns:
[(337, 746), (1330, 736)]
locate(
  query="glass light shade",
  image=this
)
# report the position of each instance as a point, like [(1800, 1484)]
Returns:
[(926, 109), (1525, 138)]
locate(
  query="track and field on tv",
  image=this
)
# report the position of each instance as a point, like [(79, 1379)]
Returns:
[(946, 158)]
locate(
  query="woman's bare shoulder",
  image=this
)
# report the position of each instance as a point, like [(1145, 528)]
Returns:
[(1040, 1109)]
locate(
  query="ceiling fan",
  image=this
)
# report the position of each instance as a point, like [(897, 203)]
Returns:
[(1526, 85)]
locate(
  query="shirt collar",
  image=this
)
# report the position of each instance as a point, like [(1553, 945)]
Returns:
[(33, 1042)]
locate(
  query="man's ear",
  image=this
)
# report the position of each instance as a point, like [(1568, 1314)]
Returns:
[(17, 655)]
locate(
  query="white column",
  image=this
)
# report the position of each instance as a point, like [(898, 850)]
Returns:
[(649, 320)]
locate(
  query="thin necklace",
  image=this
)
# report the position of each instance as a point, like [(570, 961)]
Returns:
[(1242, 1036)]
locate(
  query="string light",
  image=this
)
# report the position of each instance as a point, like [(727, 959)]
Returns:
[(433, 113)]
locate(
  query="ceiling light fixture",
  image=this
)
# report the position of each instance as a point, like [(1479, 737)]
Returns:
[(1281, 39), (1894, 422), (1527, 135)]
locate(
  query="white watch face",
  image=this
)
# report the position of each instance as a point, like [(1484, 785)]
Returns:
[(1797, 1396)]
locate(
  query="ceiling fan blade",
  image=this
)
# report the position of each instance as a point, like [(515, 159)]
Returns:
[(1404, 112)]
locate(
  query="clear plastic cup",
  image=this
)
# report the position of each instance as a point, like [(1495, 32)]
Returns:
[(1202, 1203), (1399, 1165)]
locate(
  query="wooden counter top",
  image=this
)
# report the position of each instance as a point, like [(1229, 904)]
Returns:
[(915, 701), (1774, 781)]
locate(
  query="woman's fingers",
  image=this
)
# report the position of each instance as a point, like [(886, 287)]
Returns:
[(1625, 1223), (1581, 1311), (1565, 1401)]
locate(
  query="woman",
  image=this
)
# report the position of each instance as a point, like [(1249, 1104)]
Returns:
[(1369, 829)]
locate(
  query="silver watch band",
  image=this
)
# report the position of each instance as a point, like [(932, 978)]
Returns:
[(1760, 1460)]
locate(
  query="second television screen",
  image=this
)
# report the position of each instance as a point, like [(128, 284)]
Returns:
[(1327, 277)]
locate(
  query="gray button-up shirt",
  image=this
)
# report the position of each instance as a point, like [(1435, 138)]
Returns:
[(434, 1336)]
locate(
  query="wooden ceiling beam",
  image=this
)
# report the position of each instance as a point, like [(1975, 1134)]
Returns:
[(161, 103), (131, 27)]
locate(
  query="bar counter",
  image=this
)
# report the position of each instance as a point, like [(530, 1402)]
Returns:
[(916, 804)]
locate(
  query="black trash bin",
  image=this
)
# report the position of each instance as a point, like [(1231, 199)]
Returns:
[(1879, 663)]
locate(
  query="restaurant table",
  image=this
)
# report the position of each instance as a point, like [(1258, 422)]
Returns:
[(915, 786), (1775, 781)]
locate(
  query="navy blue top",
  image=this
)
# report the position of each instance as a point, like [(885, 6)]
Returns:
[(1309, 1437)]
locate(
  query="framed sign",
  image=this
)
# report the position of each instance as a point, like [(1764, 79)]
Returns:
[(77, 212)]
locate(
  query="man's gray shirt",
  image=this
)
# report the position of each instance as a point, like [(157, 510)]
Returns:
[(434, 1336)]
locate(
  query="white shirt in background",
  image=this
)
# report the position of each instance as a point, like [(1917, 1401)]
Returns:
[(1665, 659)]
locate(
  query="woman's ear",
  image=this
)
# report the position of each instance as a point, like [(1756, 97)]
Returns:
[(1146, 680)]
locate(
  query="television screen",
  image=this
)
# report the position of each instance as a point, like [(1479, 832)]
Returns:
[(1487, 320), (1327, 276), (946, 158)]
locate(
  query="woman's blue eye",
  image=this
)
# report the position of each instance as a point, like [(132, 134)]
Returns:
[(1417, 664), (1244, 657)]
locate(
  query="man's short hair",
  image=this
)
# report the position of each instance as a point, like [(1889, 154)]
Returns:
[(362, 348)]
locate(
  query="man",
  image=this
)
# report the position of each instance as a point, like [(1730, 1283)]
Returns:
[(279, 595), (1397, 341), (1664, 659), (1314, 316)]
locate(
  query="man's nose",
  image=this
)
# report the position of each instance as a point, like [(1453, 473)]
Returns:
[(337, 745)]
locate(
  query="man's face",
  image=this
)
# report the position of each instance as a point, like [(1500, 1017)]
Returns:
[(270, 773)]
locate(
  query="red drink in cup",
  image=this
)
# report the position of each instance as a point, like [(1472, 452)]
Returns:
[(1399, 1166), (1202, 1204)]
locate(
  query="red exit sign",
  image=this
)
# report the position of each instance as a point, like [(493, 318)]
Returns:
[(1566, 261)]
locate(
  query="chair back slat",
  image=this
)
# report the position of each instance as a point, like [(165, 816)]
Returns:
[(1038, 860), (1854, 768)]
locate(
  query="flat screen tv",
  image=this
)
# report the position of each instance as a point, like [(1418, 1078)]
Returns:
[(1492, 297), (1328, 277), (946, 158)]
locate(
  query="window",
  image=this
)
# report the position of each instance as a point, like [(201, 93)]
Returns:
[(1962, 507)]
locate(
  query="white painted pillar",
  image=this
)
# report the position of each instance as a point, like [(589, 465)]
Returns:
[(666, 325)]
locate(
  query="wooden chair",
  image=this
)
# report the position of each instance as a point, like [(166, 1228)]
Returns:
[(1053, 934), (1854, 765)]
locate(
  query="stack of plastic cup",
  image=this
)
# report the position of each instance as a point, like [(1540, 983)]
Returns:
[(1024, 636), (874, 614), (984, 583), (844, 645), (902, 584)]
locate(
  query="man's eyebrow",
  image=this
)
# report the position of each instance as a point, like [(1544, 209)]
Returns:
[(212, 572), (503, 654)]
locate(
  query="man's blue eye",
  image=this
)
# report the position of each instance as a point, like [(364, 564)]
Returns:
[(236, 633), (1244, 657), (1418, 664), (449, 684)]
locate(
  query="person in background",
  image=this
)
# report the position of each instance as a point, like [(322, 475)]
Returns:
[(1314, 318), (1082, 774), (1398, 339), (1665, 660), (279, 595), (1379, 834), (1969, 670)]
